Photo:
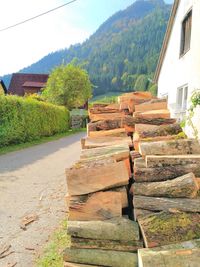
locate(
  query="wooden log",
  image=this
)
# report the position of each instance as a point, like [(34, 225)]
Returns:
[(131, 121), (70, 264), (134, 155), (82, 181), (164, 173), (119, 229), (139, 163), (140, 128), (128, 246), (95, 142), (105, 116), (174, 147), (138, 213), (104, 125), (154, 104), (119, 132), (169, 258), (106, 109), (153, 161), (119, 152), (167, 204), (167, 228), (101, 257), (163, 130), (153, 114), (185, 186), (198, 182), (95, 207)]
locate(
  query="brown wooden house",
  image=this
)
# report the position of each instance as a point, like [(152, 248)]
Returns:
[(26, 83)]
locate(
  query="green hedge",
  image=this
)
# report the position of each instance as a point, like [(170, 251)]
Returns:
[(24, 119)]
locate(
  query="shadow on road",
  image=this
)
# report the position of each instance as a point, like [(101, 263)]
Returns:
[(16, 160)]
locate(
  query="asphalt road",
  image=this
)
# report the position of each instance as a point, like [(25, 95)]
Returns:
[(33, 183)]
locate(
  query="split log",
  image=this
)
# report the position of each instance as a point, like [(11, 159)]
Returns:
[(95, 207), (175, 147), (166, 204), (101, 257), (182, 187), (117, 229), (139, 163), (82, 181), (119, 132), (163, 130), (169, 258), (94, 142), (154, 104), (140, 128), (119, 152), (153, 161), (134, 155), (105, 116), (131, 121), (104, 125), (164, 173), (153, 114), (105, 109), (128, 246), (139, 213), (167, 228)]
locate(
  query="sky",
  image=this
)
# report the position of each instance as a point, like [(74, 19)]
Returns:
[(25, 44)]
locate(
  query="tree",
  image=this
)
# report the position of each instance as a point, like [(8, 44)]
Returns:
[(141, 83), (69, 86), (153, 89)]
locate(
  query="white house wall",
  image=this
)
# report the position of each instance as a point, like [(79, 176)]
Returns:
[(178, 71)]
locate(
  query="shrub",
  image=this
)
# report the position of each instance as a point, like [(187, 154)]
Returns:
[(23, 120)]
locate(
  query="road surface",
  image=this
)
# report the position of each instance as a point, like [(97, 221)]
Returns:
[(33, 183)]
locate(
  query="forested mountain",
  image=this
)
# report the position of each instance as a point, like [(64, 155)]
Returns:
[(124, 47)]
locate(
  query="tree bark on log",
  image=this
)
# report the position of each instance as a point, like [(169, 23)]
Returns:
[(139, 213), (95, 207), (164, 173), (166, 204), (82, 181), (106, 116), (165, 161), (105, 125), (117, 229), (154, 104), (131, 121), (167, 228), (175, 147), (126, 246), (182, 187), (169, 258), (153, 114), (163, 130), (101, 257)]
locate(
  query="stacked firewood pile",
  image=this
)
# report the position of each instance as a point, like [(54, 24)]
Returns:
[(136, 170)]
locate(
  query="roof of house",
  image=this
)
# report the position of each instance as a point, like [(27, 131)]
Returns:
[(21, 80), (166, 39), (3, 86)]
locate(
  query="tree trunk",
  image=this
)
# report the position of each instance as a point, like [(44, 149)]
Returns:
[(163, 130), (169, 258), (164, 228), (117, 229), (164, 173), (182, 187), (154, 104), (175, 147), (166, 204), (153, 114), (95, 207), (128, 246), (165, 161), (101, 257), (82, 181)]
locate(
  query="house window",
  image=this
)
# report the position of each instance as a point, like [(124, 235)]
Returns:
[(182, 97), (186, 33)]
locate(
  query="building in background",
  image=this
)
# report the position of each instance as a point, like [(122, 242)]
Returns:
[(178, 69)]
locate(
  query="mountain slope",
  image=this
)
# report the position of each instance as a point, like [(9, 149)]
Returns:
[(126, 45)]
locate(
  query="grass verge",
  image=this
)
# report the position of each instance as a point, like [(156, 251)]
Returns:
[(12, 148), (52, 254)]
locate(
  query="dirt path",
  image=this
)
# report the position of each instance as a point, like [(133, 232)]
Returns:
[(32, 181)]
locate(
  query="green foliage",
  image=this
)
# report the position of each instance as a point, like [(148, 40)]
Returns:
[(109, 98), (128, 42), (23, 120), (195, 99), (1, 91), (153, 89), (141, 83), (69, 86)]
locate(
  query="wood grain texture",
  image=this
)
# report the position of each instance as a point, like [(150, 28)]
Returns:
[(155, 104), (153, 114)]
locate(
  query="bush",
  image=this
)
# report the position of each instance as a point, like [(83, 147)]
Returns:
[(23, 120)]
